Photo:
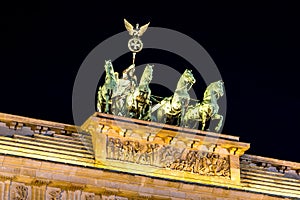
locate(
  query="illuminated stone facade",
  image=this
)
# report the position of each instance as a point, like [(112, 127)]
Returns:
[(112, 157)]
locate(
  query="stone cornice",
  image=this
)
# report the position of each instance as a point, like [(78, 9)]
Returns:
[(36, 125)]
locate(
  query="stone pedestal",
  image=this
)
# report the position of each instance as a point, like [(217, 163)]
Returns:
[(164, 151)]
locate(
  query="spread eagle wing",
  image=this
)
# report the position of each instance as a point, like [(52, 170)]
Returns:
[(143, 29), (129, 27)]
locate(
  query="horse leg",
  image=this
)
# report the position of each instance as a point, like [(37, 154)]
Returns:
[(220, 118), (106, 110), (195, 124), (107, 101), (143, 113), (139, 111), (161, 115), (121, 107), (147, 108), (204, 115), (180, 118), (184, 121), (184, 103)]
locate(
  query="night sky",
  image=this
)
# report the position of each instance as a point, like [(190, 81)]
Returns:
[(255, 47)]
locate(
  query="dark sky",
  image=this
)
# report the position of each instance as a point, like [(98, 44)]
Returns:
[(256, 48)]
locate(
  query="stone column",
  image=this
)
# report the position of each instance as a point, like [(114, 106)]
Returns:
[(42, 193), (77, 194), (34, 192), (38, 188), (70, 195), (38, 192), (1, 190), (7, 184)]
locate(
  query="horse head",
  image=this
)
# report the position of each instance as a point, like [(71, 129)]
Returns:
[(214, 90), (111, 76), (108, 67), (218, 88), (189, 77)]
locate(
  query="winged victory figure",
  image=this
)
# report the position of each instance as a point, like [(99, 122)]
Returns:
[(137, 31), (135, 44)]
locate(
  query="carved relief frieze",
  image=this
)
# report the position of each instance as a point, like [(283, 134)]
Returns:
[(203, 163), (168, 157)]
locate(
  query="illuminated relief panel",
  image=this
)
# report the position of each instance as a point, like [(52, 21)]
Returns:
[(169, 157)]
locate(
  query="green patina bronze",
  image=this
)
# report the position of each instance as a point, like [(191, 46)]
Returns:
[(172, 109), (124, 97), (105, 92), (207, 109)]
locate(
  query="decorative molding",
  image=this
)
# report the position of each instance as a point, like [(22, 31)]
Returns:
[(38, 182), (6, 178), (72, 187), (107, 192)]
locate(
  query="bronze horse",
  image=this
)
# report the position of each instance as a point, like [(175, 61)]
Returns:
[(207, 109), (172, 108), (105, 92)]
